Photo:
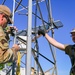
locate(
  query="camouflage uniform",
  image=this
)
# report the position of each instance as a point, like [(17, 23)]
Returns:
[(6, 54), (70, 50)]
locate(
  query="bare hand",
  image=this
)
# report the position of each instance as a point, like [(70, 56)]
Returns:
[(16, 47), (13, 27)]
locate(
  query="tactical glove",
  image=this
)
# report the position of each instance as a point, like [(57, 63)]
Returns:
[(41, 32)]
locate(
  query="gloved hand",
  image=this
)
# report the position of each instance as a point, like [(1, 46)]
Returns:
[(10, 30), (41, 32)]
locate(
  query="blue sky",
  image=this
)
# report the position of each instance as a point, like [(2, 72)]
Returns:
[(63, 10)]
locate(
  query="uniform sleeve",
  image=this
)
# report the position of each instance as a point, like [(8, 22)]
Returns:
[(68, 49)]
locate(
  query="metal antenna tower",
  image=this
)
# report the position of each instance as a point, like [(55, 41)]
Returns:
[(31, 13)]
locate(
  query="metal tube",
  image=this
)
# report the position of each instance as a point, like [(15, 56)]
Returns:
[(3, 2), (51, 21), (14, 63), (28, 62), (18, 5)]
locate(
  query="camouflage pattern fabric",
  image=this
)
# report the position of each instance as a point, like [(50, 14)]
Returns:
[(71, 53), (6, 54)]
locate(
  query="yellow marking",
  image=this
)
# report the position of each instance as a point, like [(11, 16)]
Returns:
[(18, 64)]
